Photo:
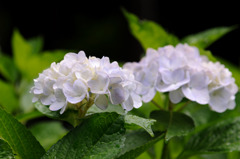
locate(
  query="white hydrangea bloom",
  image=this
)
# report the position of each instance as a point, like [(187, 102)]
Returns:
[(78, 78), (182, 72)]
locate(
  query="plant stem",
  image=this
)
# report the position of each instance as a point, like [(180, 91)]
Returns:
[(183, 106), (170, 106), (165, 153), (157, 105)]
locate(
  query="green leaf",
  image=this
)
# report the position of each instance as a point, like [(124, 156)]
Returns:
[(45, 110), (221, 137), (111, 108), (22, 50), (5, 150), (43, 61), (8, 68), (37, 63), (36, 44), (133, 120), (207, 37), (8, 98), (28, 60), (25, 97), (174, 123), (48, 133), (137, 142), (21, 141), (71, 116), (98, 137), (28, 116), (148, 33)]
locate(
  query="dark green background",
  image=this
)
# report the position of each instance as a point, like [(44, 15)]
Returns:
[(99, 28)]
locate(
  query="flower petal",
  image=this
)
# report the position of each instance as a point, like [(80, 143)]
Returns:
[(176, 96), (57, 105), (128, 104), (137, 100), (149, 96), (101, 101), (99, 83), (117, 94)]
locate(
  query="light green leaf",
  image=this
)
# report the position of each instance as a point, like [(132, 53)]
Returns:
[(8, 98), (22, 50), (5, 150), (137, 142), (27, 58), (37, 63), (36, 44), (207, 37), (28, 116), (221, 137), (45, 110), (21, 141), (111, 108), (141, 122), (48, 133), (174, 123), (25, 97), (8, 68), (100, 136), (148, 33)]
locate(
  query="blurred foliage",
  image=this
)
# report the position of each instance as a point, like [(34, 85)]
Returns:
[(19, 71), (48, 133)]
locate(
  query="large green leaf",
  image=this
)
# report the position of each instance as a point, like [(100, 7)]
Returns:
[(137, 142), (174, 123), (133, 120), (98, 137), (207, 37), (221, 137), (148, 33), (5, 150), (8, 68), (48, 133), (8, 98), (21, 141)]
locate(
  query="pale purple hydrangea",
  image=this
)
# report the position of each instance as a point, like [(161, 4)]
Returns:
[(182, 72), (77, 78)]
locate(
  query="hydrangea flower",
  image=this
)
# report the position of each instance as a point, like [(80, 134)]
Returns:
[(182, 72), (78, 80)]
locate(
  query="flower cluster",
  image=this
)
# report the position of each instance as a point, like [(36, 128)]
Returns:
[(77, 79), (182, 72)]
